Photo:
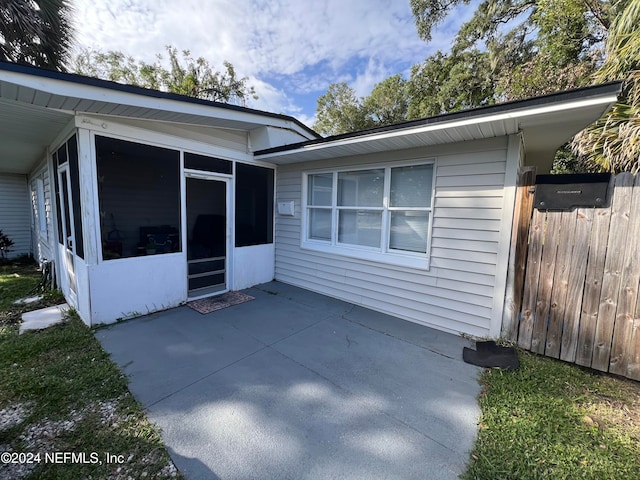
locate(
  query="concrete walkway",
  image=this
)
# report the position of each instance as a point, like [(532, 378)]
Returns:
[(296, 385)]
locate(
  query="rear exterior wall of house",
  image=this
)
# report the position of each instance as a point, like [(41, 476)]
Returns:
[(42, 232), (457, 292), (14, 213)]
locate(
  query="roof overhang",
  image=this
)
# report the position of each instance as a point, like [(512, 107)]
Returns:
[(545, 123), (36, 105)]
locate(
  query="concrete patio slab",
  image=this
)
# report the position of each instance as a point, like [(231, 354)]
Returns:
[(298, 385)]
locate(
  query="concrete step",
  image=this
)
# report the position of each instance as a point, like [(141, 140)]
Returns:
[(43, 318)]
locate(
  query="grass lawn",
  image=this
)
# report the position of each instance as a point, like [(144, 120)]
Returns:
[(60, 394), (554, 420)]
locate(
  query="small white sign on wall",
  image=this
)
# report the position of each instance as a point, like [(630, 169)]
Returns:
[(286, 208)]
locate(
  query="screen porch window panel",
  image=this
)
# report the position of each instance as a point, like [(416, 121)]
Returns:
[(139, 198)]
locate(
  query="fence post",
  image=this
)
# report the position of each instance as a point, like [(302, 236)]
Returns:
[(518, 252)]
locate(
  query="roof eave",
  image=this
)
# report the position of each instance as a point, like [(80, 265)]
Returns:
[(508, 117), (67, 86)]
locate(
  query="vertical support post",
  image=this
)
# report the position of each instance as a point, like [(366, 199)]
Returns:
[(518, 252)]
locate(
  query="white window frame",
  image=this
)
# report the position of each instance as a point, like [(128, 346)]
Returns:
[(41, 206), (384, 254)]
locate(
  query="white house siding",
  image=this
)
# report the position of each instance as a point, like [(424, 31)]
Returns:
[(227, 138), (456, 293), (15, 218), (42, 238)]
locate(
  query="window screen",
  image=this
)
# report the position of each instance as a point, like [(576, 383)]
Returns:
[(254, 205), (139, 194), (208, 164), (74, 176)]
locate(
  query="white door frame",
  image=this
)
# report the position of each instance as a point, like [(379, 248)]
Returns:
[(66, 251), (227, 180)]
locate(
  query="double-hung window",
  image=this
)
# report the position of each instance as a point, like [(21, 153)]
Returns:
[(377, 213)]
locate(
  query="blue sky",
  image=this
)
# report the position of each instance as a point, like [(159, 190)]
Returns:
[(291, 50)]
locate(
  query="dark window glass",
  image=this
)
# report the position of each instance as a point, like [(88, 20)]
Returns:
[(57, 200), (65, 203), (139, 194), (208, 164), (254, 205), (74, 176), (62, 155)]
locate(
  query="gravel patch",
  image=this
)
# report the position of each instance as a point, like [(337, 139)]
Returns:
[(13, 415), (14, 471), (41, 436)]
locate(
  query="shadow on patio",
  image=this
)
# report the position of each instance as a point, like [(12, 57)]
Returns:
[(297, 385)]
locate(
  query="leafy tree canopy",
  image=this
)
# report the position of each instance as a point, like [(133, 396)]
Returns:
[(450, 82), (388, 102), (36, 32), (514, 49), (612, 144), (185, 75), (340, 111)]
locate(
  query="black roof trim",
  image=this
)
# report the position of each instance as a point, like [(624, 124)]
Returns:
[(121, 87), (578, 93)]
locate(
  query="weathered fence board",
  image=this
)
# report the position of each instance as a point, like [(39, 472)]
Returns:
[(545, 284), (560, 282), (593, 285), (576, 280), (580, 298), (532, 276), (613, 265), (628, 294)]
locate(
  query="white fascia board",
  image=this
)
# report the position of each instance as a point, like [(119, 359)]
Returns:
[(100, 94), (514, 116)]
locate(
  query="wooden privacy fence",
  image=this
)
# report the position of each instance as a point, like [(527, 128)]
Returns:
[(573, 281)]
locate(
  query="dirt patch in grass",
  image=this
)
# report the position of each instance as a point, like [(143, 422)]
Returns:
[(551, 419), (621, 412)]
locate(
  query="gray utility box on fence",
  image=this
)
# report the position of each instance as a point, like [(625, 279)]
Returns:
[(565, 192)]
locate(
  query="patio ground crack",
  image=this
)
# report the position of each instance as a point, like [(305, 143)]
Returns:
[(399, 338)]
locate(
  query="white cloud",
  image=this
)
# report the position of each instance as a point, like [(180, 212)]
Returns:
[(270, 98), (302, 45), (374, 72)]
